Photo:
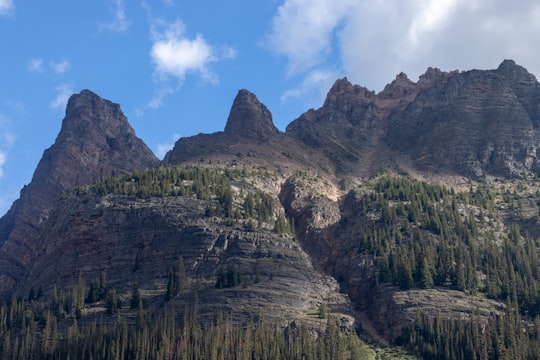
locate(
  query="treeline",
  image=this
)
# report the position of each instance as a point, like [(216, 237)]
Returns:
[(204, 182), (507, 336), (418, 235), (213, 185), (24, 334), (427, 236)]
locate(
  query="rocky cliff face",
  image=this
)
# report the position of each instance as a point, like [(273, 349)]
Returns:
[(95, 141), (477, 123), (472, 123), (250, 138), (138, 242), (249, 118)]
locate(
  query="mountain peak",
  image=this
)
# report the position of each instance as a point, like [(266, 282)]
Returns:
[(87, 110), (343, 93), (250, 118), (96, 141), (510, 69), (401, 85)]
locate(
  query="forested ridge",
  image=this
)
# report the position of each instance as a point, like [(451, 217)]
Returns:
[(30, 330), (411, 234), (212, 184), (421, 236)]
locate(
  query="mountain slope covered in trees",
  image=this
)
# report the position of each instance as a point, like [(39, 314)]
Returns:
[(403, 223)]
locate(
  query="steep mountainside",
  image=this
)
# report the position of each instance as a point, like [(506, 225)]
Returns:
[(473, 124), (138, 239), (95, 141), (328, 217), (250, 138)]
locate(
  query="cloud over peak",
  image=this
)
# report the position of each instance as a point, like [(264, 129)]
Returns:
[(372, 41), (63, 92), (175, 55), (302, 30)]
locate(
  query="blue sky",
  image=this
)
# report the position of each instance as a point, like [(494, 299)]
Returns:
[(175, 66)]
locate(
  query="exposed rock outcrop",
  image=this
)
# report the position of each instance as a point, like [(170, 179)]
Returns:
[(250, 138), (96, 141), (250, 118), (473, 123), (138, 242)]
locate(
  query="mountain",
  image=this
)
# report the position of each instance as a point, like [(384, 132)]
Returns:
[(409, 216), (96, 141), (250, 138), (473, 124)]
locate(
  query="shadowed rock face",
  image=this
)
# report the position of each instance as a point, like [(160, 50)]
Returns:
[(95, 141), (139, 241), (250, 118), (249, 122), (472, 123), (250, 138), (475, 124)]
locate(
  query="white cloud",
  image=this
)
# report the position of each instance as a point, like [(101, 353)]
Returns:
[(375, 40), (35, 65), (162, 149), (302, 30), (120, 23), (63, 92), (6, 7), (431, 16), (175, 55), (7, 138)]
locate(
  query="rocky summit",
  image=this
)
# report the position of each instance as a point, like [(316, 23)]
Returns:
[(472, 123), (409, 215), (95, 141)]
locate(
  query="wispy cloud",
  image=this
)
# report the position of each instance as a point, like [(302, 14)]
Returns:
[(6, 141), (315, 84), (302, 31), (63, 92), (162, 149), (6, 7), (3, 158), (159, 95), (120, 23), (35, 65), (60, 67)]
